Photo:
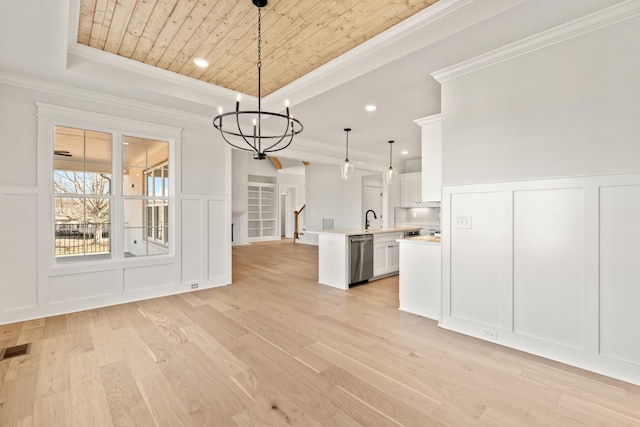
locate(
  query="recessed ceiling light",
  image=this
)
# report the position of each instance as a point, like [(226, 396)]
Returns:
[(201, 62), (405, 152), (370, 107)]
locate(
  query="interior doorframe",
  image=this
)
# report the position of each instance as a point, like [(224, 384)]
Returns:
[(288, 213)]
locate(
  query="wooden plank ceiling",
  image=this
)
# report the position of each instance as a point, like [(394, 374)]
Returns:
[(298, 36)]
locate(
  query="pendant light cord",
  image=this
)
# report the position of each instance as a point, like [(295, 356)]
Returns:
[(259, 78), (347, 154)]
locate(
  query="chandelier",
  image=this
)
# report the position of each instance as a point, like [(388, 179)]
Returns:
[(236, 129)]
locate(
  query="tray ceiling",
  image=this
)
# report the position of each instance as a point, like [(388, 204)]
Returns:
[(297, 36)]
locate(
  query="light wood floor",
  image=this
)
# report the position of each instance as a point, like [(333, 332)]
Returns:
[(277, 349)]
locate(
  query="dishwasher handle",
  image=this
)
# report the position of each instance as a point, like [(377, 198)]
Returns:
[(360, 238)]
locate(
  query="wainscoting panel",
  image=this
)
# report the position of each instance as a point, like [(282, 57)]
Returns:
[(193, 241), (219, 240), (620, 272), (147, 277), (80, 286), (547, 264), (19, 250), (476, 249)]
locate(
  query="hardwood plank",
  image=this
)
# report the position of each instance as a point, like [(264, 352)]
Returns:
[(165, 407), (275, 348), (210, 397), (53, 410), (126, 404), (392, 404), (89, 404), (53, 375), (219, 354)]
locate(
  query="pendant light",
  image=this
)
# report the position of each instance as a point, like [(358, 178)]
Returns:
[(390, 175), (347, 168), (254, 138)]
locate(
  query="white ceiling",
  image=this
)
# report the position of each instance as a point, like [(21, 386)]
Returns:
[(392, 71)]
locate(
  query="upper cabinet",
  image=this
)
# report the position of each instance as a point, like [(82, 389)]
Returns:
[(431, 158), (410, 189)]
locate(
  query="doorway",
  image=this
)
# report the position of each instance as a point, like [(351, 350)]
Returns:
[(372, 199), (287, 207)]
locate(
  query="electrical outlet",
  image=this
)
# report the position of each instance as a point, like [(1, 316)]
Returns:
[(194, 286), (490, 334), (462, 222)]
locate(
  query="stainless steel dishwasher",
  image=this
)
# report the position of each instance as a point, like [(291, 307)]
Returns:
[(360, 258)]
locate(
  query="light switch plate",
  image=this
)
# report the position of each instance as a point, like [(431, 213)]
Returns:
[(462, 222)]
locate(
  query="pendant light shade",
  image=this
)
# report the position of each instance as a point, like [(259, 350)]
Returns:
[(347, 168), (389, 176)]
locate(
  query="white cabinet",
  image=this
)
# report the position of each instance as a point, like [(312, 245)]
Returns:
[(263, 209), (410, 189), (431, 158), (386, 253), (420, 278)]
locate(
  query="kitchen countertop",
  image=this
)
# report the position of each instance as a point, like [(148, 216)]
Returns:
[(354, 232), (426, 240)]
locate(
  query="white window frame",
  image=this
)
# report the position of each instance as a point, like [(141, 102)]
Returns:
[(150, 205), (49, 116)]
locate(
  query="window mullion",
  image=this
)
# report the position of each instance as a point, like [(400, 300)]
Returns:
[(117, 209)]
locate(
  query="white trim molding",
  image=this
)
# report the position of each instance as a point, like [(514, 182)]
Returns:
[(101, 98), (622, 11), (424, 121)]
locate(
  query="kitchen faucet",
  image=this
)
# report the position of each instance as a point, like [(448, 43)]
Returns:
[(366, 218)]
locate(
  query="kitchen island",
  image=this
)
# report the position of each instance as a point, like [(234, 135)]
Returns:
[(420, 276), (334, 255)]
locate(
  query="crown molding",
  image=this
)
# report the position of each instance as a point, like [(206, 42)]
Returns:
[(424, 121), (101, 98), (622, 11)]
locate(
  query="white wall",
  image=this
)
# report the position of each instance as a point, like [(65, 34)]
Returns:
[(569, 109), (328, 196), (31, 285), (239, 206), (296, 180)]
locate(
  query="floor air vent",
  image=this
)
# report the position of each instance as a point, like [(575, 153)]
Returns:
[(18, 350)]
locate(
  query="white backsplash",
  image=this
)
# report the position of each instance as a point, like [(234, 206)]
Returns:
[(427, 218)]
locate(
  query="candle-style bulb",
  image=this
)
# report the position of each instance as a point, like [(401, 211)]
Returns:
[(220, 109), (286, 103), (254, 122), (238, 97)]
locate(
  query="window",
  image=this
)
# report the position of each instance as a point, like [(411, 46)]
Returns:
[(82, 192), (146, 196), (87, 198)]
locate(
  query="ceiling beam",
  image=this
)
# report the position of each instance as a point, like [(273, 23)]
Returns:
[(275, 162)]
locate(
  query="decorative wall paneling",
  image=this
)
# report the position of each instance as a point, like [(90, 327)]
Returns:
[(18, 249), (32, 286), (549, 267)]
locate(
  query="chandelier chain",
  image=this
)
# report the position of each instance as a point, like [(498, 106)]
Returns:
[(259, 38)]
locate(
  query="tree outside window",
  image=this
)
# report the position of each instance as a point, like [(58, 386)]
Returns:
[(82, 192)]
